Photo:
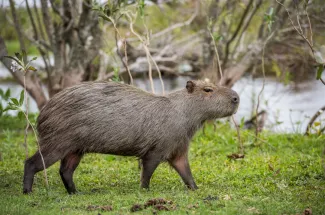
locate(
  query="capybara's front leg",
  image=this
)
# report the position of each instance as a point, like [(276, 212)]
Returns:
[(181, 165), (35, 164)]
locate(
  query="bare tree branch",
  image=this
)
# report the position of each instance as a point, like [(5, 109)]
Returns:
[(248, 21), (38, 21), (300, 32), (18, 28), (57, 11), (47, 20), (175, 26), (41, 51), (240, 24)]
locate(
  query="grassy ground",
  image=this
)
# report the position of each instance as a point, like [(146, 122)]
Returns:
[(283, 175)]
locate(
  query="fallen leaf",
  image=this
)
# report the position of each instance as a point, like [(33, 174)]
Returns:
[(227, 197), (193, 206), (253, 210), (236, 156)]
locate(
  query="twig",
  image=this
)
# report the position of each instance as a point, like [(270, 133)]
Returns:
[(300, 33), (312, 120), (217, 53), (125, 64), (148, 55), (17, 27), (179, 25), (247, 23), (39, 149), (154, 62), (259, 95), (323, 160), (159, 74), (149, 68), (38, 20), (298, 20), (26, 113), (146, 50), (239, 26), (311, 30), (47, 20), (241, 147)]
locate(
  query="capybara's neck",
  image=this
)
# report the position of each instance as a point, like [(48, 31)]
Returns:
[(193, 116)]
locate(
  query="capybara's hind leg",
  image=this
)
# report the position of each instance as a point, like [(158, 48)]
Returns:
[(33, 165), (68, 165), (149, 164)]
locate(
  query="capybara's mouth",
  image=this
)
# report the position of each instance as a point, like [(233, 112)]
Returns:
[(236, 109)]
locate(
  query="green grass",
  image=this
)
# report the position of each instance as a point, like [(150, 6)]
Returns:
[(283, 175)]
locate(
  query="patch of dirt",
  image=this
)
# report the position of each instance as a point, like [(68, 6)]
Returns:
[(161, 207), (136, 207), (158, 204), (308, 211), (157, 201)]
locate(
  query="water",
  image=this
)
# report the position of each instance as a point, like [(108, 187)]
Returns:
[(289, 107)]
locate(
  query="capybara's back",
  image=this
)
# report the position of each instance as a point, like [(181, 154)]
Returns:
[(103, 118), (114, 118)]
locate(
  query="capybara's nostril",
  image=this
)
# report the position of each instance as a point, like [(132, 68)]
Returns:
[(235, 99)]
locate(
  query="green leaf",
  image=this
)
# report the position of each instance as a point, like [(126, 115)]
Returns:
[(32, 68), (21, 98), (34, 58), (316, 124), (14, 101), (7, 94), (24, 54), (18, 56), (20, 115), (217, 38), (1, 93), (9, 107), (104, 17), (320, 70)]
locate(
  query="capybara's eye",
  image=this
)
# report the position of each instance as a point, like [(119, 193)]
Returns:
[(206, 89)]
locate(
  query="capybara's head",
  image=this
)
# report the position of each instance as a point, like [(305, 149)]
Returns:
[(211, 100)]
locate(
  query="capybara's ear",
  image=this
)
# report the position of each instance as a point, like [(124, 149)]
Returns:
[(190, 86)]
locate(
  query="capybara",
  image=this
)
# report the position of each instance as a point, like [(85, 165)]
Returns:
[(119, 119)]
